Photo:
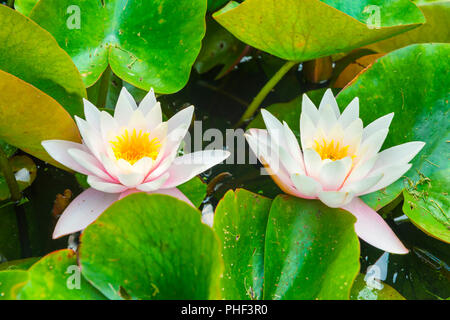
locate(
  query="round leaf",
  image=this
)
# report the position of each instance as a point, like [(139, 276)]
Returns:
[(10, 282), (312, 28), (413, 83), (30, 53), (312, 251), (240, 222), (28, 116), (151, 247), (147, 43)]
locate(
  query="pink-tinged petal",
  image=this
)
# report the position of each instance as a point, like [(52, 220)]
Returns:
[(309, 109), (188, 166), (173, 192), (306, 186), (92, 114), (333, 173), (380, 124), (313, 162), (350, 114), (124, 107), (181, 121), (398, 155), (371, 227), (162, 166), (82, 211), (335, 199), (307, 131), (274, 127), (329, 101), (131, 179), (57, 149), (361, 186), (256, 139), (148, 102), (292, 146), (91, 137), (154, 184), (101, 185), (90, 163), (154, 117), (390, 175), (361, 170)]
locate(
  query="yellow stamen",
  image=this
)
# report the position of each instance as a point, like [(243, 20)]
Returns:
[(134, 147), (331, 150)]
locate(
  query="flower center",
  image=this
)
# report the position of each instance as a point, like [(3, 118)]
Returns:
[(331, 150), (135, 146)]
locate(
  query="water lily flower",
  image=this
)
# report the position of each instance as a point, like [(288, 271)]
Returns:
[(338, 161), (134, 151)]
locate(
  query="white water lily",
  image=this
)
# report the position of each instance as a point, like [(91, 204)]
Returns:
[(338, 161), (134, 151)]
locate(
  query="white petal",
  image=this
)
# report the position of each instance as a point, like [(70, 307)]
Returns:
[(91, 137), (350, 114), (293, 147), (92, 114), (327, 119), (82, 211), (90, 163), (104, 186), (307, 131), (353, 135), (335, 199), (359, 187), (333, 173), (397, 155), (381, 123), (274, 126), (188, 166), (124, 107), (307, 186), (372, 145), (313, 162), (390, 175), (154, 184), (109, 127), (310, 109), (181, 120), (148, 102), (154, 117), (330, 101), (361, 170), (57, 149)]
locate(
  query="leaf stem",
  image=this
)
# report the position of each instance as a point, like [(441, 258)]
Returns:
[(104, 87), (251, 109), (16, 196)]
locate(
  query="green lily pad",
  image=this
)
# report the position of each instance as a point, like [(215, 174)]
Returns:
[(436, 29), (57, 277), (10, 282), (312, 251), (216, 4), (195, 190), (312, 28), (25, 6), (30, 53), (151, 247), (28, 116), (361, 291), (397, 83), (146, 43), (240, 222), (22, 264)]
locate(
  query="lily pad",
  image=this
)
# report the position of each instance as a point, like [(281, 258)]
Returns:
[(397, 83), (24, 6), (240, 222), (10, 282), (436, 29), (57, 277), (195, 190), (151, 247), (146, 43), (30, 53), (312, 251), (312, 28), (28, 116)]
